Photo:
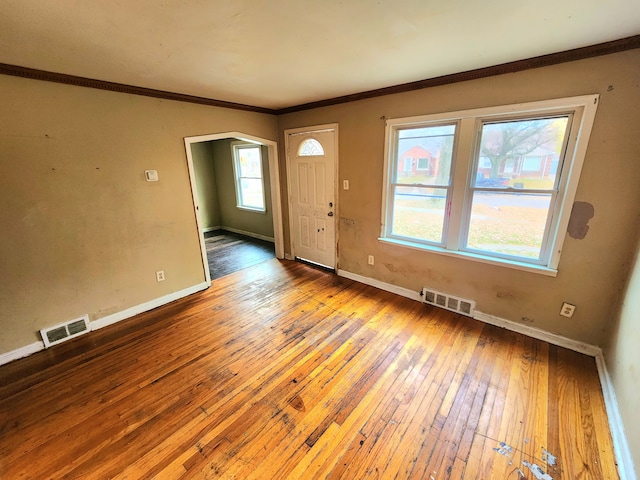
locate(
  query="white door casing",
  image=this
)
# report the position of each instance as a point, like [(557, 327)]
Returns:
[(311, 177), (272, 147)]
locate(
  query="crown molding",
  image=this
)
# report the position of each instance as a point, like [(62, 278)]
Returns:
[(582, 53), (597, 50), (35, 74)]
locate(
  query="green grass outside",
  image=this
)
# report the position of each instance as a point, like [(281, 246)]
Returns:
[(529, 183), (507, 230)]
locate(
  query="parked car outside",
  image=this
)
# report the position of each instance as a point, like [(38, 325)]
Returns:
[(498, 182)]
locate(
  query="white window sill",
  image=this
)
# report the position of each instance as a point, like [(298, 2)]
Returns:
[(249, 209), (526, 267)]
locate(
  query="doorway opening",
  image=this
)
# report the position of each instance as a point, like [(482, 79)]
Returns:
[(236, 200)]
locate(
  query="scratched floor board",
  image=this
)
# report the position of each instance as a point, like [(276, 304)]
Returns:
[(284, 371)]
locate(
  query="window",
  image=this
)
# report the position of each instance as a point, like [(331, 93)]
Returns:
[(247, 167), (310, 147), (500, 186), (418, 202), (532, 163)]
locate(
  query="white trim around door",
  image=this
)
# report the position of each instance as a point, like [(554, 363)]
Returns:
[(332, 207), (274, 173)]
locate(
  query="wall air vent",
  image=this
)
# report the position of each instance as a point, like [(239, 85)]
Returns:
[(65, 331), (449, 302)]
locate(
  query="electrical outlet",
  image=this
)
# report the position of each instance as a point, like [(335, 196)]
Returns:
[(371, 260), (567, 310), (160, 275)]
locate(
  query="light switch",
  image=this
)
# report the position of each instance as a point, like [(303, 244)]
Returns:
[(151, 175)]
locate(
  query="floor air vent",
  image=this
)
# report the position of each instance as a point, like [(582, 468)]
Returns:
[(443, 300), (65, 331)]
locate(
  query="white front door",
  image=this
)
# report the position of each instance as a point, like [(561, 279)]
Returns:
[(311, 158)]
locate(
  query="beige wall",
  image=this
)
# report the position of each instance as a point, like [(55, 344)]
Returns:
[(623, 361), (202, 155), (230, 215), (592, 271), (82, 231)]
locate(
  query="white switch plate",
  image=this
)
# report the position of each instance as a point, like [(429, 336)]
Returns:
[(151, 175), (371, 260), (345, 184)]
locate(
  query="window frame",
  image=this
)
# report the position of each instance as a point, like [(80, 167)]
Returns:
[(237, 178), (581, 109), (395, 184)]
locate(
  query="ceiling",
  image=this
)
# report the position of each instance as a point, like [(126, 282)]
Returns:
[(280, 53)]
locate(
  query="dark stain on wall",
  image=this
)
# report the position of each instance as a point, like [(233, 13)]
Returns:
[(581, 213)]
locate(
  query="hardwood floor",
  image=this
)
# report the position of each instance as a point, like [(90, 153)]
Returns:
[(228, 252), (284, 371)]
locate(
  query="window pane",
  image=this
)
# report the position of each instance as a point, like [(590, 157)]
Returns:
[(424, 155), (310, 147), (508, 223), (249, 162), (251, 191), (521, 153), (419, 212)]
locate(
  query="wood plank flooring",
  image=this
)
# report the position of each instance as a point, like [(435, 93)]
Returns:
[(283, 371), (228, 252)]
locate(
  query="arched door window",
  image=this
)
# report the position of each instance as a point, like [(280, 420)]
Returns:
[(310, 147)]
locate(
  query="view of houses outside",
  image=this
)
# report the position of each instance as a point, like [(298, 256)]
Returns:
[(423, 178), (513, 185)]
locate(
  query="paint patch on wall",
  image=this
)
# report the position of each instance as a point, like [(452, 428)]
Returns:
[(578, 226)]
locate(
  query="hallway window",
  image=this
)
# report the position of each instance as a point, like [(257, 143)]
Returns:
[(247, 166)]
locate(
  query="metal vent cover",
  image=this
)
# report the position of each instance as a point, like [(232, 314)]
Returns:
[(65, 331), (448, 302)]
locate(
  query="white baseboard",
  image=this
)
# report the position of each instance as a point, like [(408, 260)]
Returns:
[(621, 448), (552, 338), (211, 229), (247, 234), (144, 307), (537, 333), (21, 352), (108, 320), (620, 444), (404, 292)]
